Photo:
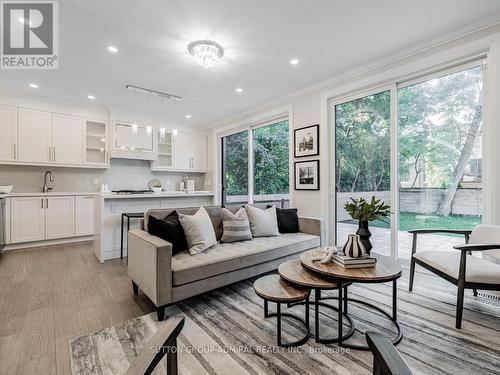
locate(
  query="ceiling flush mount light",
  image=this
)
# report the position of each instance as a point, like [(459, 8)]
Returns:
[(206, 53), (188, 116), (91, 97), (294, 61), (112, 49), (33, 85), (239, 90)]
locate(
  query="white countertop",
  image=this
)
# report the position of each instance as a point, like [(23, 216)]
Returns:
[(51, 193), (163, 194)]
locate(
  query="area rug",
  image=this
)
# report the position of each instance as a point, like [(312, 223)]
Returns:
[(225, 333)]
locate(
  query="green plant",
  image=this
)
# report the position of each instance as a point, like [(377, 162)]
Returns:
[(362, 210)]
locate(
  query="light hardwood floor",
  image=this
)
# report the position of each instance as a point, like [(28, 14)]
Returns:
[(49, 296)]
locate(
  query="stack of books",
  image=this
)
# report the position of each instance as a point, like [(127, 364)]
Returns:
[(347, 262)]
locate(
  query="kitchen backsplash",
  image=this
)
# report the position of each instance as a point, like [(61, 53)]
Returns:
[(122, 174)]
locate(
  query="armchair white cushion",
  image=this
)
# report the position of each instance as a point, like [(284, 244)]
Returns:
[(477, 270), (484, 233)]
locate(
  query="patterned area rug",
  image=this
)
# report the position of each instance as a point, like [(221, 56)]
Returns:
[(225, 333)]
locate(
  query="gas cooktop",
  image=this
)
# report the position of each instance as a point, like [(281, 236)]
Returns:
[(132, 191)]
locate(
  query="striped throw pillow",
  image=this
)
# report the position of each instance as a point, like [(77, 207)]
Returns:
[(235, 226)]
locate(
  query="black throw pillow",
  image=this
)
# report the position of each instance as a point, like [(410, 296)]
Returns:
[(170, 230), (288, 219)]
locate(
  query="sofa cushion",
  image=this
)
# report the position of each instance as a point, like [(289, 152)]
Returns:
[(477, 270), (288, 219), (236, 226), (170, 230), (199, 231), (232, 256), (263, 223)]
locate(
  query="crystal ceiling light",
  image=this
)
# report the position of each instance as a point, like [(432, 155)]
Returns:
[(206, 53)]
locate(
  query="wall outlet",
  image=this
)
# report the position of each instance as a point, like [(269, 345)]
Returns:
[(169, 182), (96, 181)]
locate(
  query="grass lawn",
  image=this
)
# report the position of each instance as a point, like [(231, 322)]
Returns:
[(410, 220)]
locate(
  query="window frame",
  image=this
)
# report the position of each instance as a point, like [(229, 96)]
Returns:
[(249, 128)]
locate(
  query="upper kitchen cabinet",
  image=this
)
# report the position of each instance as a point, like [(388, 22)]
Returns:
[(133, 141), (8, 140), (67, 139), (165, 151), (190, 152), (96, 143), (34, 136)]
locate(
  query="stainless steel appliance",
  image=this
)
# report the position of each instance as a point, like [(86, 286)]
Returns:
[(3, 224), (125, 192)]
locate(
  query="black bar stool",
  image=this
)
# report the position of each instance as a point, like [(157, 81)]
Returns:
[(128, 215)]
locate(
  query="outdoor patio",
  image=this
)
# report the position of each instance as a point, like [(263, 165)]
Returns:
[(381, 240)]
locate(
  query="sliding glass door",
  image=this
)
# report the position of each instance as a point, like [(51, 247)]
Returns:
[(433, 147), (255, 165), (440, 156), (362, 145)]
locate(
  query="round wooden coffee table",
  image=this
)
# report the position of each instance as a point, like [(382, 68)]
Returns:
[(385, 270), (293, 272), (272, 288)]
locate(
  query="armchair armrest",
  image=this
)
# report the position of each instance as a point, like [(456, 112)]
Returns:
[(314, 226), (415, 232), (477, 247), (386, 359), (163, 342), (150, 265), (437, 230)]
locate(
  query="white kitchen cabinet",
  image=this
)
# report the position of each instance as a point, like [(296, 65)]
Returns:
[(67, 139), (27, 219), (133, 141), (182, 151), (59, 217), (190, 151), (84, 216), (34, 136), (8, 138), (96, 142)]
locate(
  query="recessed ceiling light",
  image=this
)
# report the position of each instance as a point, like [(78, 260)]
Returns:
[(239, 90), (188, 116), (33, 85), (112, 49), (294, 61), (91, 97)]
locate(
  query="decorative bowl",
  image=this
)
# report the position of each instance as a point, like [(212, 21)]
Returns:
[(6, 189)]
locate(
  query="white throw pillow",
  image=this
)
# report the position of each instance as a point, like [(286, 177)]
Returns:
[(199, 231), (235, 226), (263, 223)]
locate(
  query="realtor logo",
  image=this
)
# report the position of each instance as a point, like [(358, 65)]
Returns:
[(29, 35)]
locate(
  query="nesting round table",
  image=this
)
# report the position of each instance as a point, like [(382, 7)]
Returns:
[(297, 277)]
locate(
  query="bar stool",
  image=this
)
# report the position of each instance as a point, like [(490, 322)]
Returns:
[(128, 215)]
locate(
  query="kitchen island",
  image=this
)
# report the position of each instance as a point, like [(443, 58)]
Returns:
[(109, 207)]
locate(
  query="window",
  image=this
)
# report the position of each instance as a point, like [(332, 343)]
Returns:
[(270, 163), (235, 168), (438, 159), (362, 128), (440, 153), (268, 181)]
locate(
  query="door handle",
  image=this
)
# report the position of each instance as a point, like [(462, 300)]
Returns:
[(42, 202), (54, 153), (14, 151), (47, 204)]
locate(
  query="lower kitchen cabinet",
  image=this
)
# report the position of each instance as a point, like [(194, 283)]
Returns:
[(59, 217), (84, 216), (40, 218), (27, 219)]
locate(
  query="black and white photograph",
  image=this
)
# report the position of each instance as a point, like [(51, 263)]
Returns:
[(307, 175), (306, 141)]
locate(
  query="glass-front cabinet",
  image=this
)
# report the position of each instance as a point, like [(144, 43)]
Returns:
[(165, 149), (96, 143)]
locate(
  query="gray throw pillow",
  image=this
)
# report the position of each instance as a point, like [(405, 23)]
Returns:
[(200, 234), (235, 226), (263, 223)]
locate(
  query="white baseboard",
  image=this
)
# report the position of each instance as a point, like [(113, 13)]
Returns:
[(28, 245)]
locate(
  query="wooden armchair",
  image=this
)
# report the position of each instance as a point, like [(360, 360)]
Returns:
[(462, 269), (386, 359), (163, 342)]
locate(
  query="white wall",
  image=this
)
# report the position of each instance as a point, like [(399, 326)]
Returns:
[(310, 106)]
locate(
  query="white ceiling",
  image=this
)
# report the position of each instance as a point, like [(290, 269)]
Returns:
[(259, 37)]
